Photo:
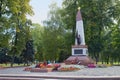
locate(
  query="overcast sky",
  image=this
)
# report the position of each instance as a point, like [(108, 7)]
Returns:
[(41, 8)]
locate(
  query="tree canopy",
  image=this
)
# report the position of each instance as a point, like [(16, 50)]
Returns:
[(14, 25), (53, 40)]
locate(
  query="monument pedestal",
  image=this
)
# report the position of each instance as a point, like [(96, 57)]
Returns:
[(79, 59), (79, 50), (79, 56)]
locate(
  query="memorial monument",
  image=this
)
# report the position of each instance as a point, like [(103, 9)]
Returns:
[(80, 49)]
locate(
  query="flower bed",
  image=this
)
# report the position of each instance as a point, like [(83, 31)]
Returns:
[(70, 68), (42, 67), (91, 65), (50, 67), (54, 66), (27, 69)]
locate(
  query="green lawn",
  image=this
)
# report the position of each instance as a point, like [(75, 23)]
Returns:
[(8, 65)]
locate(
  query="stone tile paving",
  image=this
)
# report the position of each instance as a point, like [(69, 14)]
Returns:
[(110, 71)]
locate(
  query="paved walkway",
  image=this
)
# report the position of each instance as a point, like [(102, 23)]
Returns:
[(111, 72)]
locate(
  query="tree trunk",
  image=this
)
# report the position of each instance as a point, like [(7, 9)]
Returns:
[(14, 50), (102, 62), (96, 55), (96, 60), (107, 59), (12, 62)]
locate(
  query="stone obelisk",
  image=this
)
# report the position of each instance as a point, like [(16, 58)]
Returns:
[(80, 49), (79, 28)]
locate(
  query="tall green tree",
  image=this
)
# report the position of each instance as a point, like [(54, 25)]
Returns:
[(69, 16), (97, 16), (13, 17), (4, 24), (110, 34), (28, 53), (115, 43), (36, 33), (53, 34)]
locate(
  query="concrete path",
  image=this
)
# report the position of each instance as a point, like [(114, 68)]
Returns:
[(110, 73)]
